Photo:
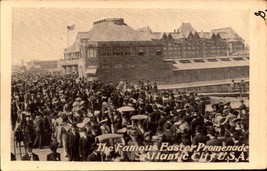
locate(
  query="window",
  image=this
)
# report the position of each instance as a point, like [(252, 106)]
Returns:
[(144, 64), (91, 53), (184, 61), (152, 50), (225, 59), (212, 60), (118, 66), (158, 50), (130, 65), (127, 51), (238, 59), (146, 50), (199, 60), (141, 51), (105, 66), (118, 51)]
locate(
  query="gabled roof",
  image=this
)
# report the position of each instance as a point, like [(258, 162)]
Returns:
[(205, 35), (72, 48), (144, 29), (185, 29), (228, 34), (177, 35), (157, 35)]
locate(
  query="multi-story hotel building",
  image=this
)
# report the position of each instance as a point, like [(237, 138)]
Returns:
[(112, 50)]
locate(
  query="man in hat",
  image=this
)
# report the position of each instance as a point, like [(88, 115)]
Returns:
[(242, 106), (95, 155), (30, 155), (84, 145), (133, 142), (28, 131), (72, 143), (104, 127), (213, 141), (39, 131), (199, 137), (58, 128), (229, 118), (232, 86), (54, 156), (167, 135)]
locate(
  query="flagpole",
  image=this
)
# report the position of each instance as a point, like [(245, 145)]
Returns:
[(67, 37)]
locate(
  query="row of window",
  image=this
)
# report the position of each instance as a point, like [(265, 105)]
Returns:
[(184, 61), (118, 66), (130, 51), (71, 56)]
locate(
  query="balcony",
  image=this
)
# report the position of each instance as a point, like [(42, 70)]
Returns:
[(65, 62)]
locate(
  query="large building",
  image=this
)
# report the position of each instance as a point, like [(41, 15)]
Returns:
[(51, 66), (186, 42), (112, 50)]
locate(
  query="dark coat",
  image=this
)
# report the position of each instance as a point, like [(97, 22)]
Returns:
[(167, 136), (84, 147), (94, 157), (35, 157), (201, 108), (28, 131), (72, 144), (199, 138), (53, 157), (214, 142)]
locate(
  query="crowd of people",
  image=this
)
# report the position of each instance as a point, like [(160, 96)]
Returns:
[(66, 112)]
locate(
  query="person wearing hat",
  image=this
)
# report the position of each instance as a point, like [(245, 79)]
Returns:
[(39, 131), (54, 155), (242, 106), (30, 155), (213, 140), (199, 137), (28, 131), (167, 135), (84, 145), (72, 143), (58, 128), (133, 142), (94, 155), (229, 118), (104, 127)]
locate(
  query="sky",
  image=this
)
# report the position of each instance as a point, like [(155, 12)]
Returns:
[(41, 33)]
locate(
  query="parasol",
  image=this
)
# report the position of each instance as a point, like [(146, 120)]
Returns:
[(126, 109), (139, 117)]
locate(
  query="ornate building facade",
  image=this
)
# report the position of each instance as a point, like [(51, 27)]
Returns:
[(186, 42)]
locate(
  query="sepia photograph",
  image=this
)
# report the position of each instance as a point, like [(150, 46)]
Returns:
[(130, 85)]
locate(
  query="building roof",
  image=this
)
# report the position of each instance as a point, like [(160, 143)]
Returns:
[(205, 35), (177, 35), (157, 35), (113, 29), (228, 34), (185, 29), (72, 48), (190, 63), (144, 29)]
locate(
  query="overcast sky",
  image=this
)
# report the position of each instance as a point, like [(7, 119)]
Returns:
[(41, 34)]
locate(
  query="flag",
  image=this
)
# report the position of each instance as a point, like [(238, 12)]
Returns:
[(71, 27)]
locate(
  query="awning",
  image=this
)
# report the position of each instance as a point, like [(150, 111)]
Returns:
[(91, 71)]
